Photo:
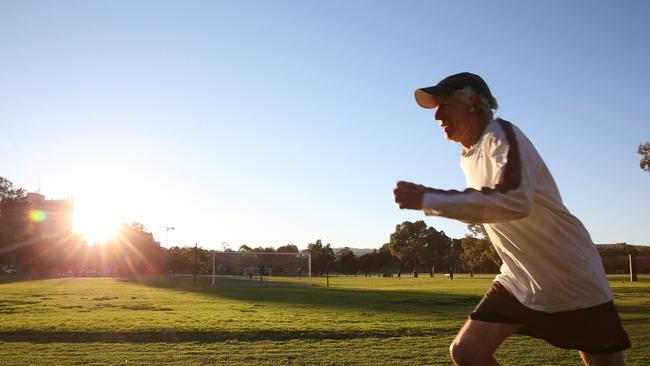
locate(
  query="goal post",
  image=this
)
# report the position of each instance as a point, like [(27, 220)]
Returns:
[(262, 266)]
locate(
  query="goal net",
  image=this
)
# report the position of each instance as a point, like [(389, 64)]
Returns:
[(274, 268)]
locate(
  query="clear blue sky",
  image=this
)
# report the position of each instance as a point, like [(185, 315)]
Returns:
[(275, 122)]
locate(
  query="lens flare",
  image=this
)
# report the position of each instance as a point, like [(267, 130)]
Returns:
[(37, 215)]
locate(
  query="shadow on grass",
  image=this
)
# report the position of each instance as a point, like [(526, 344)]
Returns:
[(19, 278), (171, 336), (392, 301), (8, 279)]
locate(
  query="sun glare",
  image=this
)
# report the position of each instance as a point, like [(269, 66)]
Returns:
[(95, 218), (103, 201)]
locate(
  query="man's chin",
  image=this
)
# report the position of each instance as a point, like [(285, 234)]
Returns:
[(449, 135)]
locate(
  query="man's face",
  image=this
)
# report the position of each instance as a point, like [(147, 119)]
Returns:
[(454, 117)]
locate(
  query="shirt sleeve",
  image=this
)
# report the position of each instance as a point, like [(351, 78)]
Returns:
[(510, 199)]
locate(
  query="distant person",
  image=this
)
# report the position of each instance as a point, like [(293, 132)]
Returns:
[(261, 270), (552, 283), (451, 273)]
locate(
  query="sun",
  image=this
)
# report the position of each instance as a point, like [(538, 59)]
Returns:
[(104, 198), (110, 192), (96, 218)]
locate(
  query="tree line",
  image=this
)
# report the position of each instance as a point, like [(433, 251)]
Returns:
[(413, 248)]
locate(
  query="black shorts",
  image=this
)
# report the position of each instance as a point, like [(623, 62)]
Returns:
[(594, 330)]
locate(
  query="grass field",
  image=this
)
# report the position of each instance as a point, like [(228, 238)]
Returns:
[(357, 321)]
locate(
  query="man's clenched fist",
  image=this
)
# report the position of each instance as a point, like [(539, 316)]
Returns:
[(409, 195)]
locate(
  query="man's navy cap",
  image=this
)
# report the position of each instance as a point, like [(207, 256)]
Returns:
[(426, 97)]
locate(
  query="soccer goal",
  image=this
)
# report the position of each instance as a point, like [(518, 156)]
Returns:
[(275, 268)]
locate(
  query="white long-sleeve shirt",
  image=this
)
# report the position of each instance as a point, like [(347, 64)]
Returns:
[(550, 263)]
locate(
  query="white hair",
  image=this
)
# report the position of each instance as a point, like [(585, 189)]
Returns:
[(465, 95)]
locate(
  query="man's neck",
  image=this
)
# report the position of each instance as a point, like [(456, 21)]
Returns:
[(474, 134)]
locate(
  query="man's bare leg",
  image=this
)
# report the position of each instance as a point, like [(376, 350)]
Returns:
[(477, 340), (605, 359)]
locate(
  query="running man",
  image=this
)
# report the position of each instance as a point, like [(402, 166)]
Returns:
[(552, 283)]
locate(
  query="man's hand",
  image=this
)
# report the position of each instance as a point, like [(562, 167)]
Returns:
[(409, 195)]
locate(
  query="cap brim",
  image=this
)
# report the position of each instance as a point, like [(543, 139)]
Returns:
[(426, 97)]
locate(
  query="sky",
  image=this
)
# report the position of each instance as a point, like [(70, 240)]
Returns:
[(282, 122)]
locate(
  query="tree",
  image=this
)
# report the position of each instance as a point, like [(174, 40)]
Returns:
[(9, 192), (261, 249), (477, 231), (346, 261), (378, 261), (179, 260), (368, 263), (289, 248), (322, 256), (386, 262), (15, 241), (417, 246), (407, 243), (245, 248), (644, 151), (617, 250), (478, 251), (437, 246), (138, 251)]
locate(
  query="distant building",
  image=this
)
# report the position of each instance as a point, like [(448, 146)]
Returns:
[(40, 217)]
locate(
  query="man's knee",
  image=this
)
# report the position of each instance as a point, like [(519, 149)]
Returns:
[(477, 341), (454, 352), (464, 354)]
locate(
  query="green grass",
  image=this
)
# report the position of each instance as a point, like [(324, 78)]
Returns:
[(357, 321)]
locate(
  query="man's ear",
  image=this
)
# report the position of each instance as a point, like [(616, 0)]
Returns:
[(476, 101)]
